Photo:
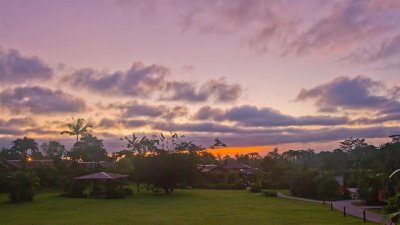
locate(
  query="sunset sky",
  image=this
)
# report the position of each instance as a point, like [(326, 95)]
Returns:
[(256, 74)]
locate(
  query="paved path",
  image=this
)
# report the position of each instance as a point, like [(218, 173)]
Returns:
[(339, 205), (357, 211)]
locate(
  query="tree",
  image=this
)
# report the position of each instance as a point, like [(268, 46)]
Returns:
[(21, 186), (350, 144), (77, 127), (53, 149), (327, 186), (89, 148), (23, 146), (395, 138)]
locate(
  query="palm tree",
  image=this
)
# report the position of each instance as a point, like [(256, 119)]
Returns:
[(78, 127), (22, 146)]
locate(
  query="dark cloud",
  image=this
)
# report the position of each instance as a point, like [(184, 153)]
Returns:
[(16, 68), (18, 122), (136, 109), (147, 81), (253, 116), (209, 113), (357, 93), (107, 123), (300, 136), (218, 90), (118, 123), (10, 131), (196, 127), (138, 81), (134, 123), (39, 100)]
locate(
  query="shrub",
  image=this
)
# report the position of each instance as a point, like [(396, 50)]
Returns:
[(21, 186), (393, 205), (270, 193), (113, 191), (127, 191), (255, 188), (74, 189)]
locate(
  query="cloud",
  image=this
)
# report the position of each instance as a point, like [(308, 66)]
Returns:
[(137, 109), (138, 81), (355, 31), (299, 136), (147, 81), (119, 123), (18, 122), (357, 93), (10, 131), (218, 90), (16, 68), (39, 100), (252, 116), (208, 113)]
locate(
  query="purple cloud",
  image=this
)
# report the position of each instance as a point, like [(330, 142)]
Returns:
[(218, 90), (356, 31), (138, 81), (357, 93), (252, 116), (16, 68), (39, 100), (146, 81)]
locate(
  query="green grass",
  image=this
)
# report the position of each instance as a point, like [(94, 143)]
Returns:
[(192, 207)]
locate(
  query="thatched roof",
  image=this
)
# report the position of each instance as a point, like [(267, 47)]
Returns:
[(101, 176)]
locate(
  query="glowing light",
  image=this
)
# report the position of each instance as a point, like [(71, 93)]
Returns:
[(262, 150)]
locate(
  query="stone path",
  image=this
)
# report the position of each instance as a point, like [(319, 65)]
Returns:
[(339, 205)]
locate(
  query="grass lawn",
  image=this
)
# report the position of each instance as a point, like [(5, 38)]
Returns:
[(205, 207)]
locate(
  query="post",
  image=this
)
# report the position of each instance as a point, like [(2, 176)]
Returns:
[(323, 202), (364, 218), (331, 206), (344, 211)]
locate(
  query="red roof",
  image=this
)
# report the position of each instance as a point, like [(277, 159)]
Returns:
[(101, 176)]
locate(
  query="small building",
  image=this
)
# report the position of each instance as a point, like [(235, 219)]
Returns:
[(236, 165), (213, 169)]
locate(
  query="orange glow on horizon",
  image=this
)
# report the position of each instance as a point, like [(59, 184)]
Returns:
[(231, 151)]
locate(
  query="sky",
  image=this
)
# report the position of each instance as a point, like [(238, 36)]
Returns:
[(257, 74)]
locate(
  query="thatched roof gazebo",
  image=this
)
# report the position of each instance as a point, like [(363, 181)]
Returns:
[(101, 176), (111, 183)]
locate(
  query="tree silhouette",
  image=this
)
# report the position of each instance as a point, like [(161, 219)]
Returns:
[(22, 146), (77, 127)]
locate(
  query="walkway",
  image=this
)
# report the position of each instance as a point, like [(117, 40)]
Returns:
[(357, 211), (339, 205)]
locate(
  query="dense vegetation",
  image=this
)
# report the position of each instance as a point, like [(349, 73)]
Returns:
[(163, 163)]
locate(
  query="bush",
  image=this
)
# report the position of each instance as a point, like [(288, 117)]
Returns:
[(393, 205), (21, 186), (255, 188), (113, 191), (74, 189), (127, 191), (270, 193)]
